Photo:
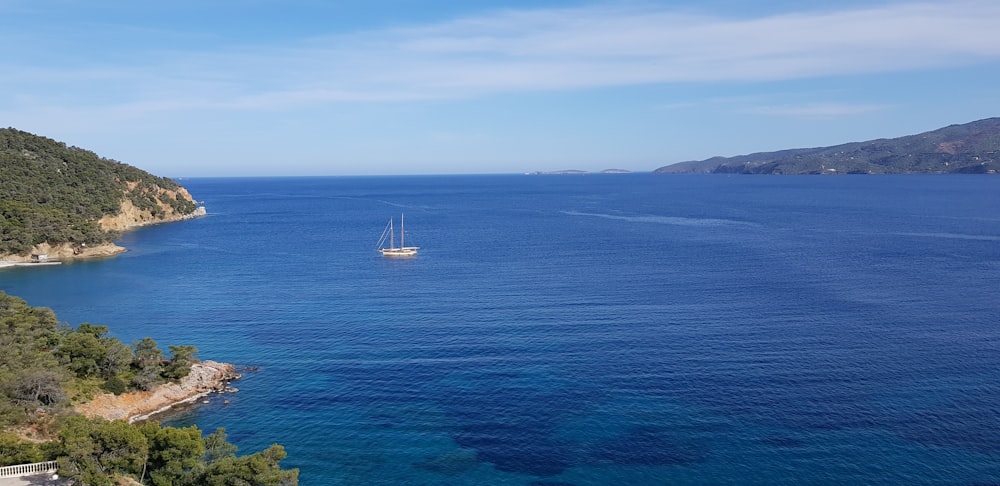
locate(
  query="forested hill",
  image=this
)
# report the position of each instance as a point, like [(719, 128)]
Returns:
[(52, 193), (971, 148)]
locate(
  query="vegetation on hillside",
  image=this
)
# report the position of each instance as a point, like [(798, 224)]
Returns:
[(971, 148), (98, 452), (53, 193), (95, 452), (46, 366)]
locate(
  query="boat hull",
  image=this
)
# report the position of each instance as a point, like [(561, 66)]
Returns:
[(399, 252)]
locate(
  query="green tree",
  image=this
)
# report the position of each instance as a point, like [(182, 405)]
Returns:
[(182, 357), (116, 360), (31, 379), (27, 334), (89, 351), (97, 331), (15, 451), (174, 454), (115, 385), (260, 469), (96, 449), (81, 352), (147, 363), (217, 446)]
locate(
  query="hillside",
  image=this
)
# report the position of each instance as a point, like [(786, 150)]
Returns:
[(50, 374), (971, 148), (67, 201)]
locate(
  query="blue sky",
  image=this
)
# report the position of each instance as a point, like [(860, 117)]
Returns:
[(268, 87)]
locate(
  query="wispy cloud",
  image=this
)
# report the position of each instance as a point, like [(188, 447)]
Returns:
[(817, 110), (554, 49), (596, 47)]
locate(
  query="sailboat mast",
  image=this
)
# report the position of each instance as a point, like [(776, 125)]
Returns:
[(396, 251)]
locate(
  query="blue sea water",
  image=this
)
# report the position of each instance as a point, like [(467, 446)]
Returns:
[(585, 330)]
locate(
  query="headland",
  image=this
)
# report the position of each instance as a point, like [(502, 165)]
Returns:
[(205, 377)]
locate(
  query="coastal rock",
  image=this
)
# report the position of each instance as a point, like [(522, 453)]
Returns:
[(205, 377), (129, 216), (65, 252)]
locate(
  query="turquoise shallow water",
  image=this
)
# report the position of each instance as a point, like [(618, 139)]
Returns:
[(600, 329)]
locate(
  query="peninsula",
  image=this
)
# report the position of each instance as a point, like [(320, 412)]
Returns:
[(61, 203), (204, 377)]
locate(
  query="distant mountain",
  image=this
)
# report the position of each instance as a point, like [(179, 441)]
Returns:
[(971, 148), (68, 202)]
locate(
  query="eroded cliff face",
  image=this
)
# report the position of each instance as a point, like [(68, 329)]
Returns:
[(205, 377), (129, 216)]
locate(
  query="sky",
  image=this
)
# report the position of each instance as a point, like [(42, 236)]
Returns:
[(191, 88)]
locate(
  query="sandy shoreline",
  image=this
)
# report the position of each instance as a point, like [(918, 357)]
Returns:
[(59, 253)]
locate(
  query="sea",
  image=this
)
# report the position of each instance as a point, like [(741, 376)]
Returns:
[(597, 329)]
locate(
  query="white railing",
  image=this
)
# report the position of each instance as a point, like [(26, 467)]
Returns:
[(23, 469)]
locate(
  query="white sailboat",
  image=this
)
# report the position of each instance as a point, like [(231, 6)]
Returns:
[(392, 250)]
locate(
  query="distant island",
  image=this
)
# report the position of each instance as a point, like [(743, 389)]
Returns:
[(59, 202), (971, 148), (579, 172)]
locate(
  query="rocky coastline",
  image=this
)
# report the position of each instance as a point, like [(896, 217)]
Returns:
[(205, 377), (61, 252), (129, 218)]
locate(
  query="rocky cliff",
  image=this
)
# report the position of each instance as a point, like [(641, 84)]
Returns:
[(205, 377), (129, 216)]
